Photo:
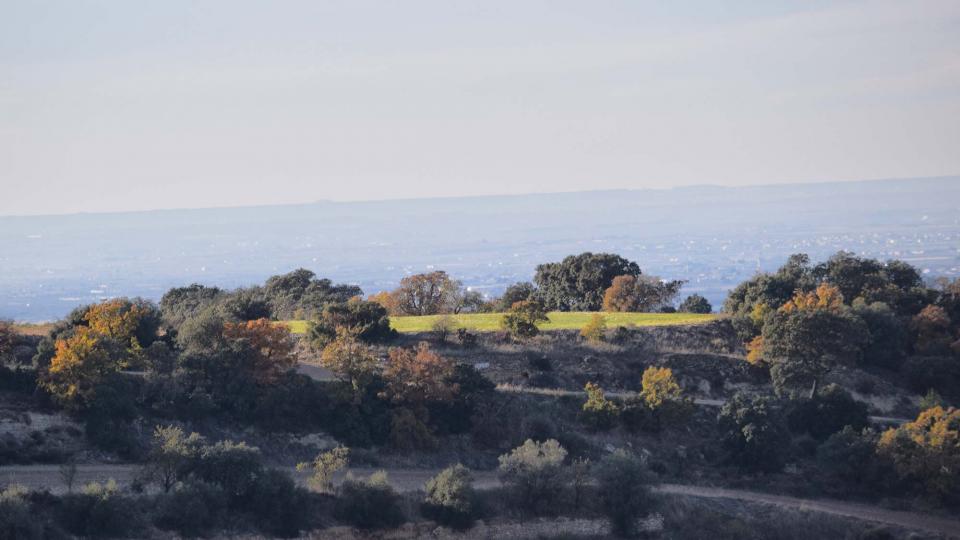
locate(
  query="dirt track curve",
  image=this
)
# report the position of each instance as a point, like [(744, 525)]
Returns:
[(48, 477)]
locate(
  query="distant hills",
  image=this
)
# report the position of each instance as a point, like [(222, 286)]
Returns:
[(713, 236)]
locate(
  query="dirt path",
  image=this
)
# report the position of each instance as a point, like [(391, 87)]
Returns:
[(883, 420), (907, 520), (48, 477)]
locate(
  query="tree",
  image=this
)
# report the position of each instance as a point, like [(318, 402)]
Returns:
[(131, 323), (595, 329), (464, 300), (828, 412), (324, 466), (932, 332), (824, 298), (624, 489), (598, 412), (849, 456), (388, 300), (640, 293), (416, 378), (518, 292), (426, 294), (366, 320), (772, 290), (695, 304), (894, 283), (659, 386), (660, 401), (351, 361), (181, 303), (927, 451), (81, 363), (578, 282), (299, 294), (522, 319), (886, 343), (450, 498), (171, 456), (272, 344), (752, 433), (809, 336), (245, 305), (535, 473)]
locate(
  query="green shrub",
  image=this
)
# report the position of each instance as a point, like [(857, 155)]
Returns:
[(100, 512), (277, 505), (753, 433), (522, 319), (849, 460), (830, 411), (192, 509), (17, 519), (369, 504), (324, 466), (623, 483), (450, 499), (535, 473), (598, 412)]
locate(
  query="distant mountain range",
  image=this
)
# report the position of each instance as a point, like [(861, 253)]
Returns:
[(712, 236)]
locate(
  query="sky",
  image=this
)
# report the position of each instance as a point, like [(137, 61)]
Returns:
[(122, 105)]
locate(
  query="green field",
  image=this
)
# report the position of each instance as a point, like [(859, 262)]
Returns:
[(488, 322)]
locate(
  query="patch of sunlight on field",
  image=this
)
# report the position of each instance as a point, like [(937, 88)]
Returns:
[(489, 322)]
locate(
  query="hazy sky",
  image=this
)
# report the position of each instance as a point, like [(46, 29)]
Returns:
[(124, 105)]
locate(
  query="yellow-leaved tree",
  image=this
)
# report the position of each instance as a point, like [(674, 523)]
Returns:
[(82, 361), (927, 451)]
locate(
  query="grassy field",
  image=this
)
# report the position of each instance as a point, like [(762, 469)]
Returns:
[(488, 322)]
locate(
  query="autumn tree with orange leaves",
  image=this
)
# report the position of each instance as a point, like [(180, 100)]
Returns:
[(416, 377), (112, 339), (272, 344)]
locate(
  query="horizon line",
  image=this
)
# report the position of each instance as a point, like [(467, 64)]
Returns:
[(488, 196)]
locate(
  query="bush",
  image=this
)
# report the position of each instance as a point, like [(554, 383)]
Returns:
[(278, 506), (535, 473), (17, 520), (100, 512), (367, 321), (830, 411), (695, 304), (450, 499), (753, 433), (849, 459), (369, 504), (466, 339), (407, 432), (442, 327), (623, 484), (941, 373), (598, 412), (927, 452), (324, 466), (595, 330), (522, 319), (192, 509)]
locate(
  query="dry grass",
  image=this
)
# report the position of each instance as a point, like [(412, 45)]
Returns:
[(490, 322)]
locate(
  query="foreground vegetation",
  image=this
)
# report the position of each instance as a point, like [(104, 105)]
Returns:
[(491, 322)]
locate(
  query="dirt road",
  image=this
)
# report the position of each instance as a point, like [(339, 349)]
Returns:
[(49, 477)]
